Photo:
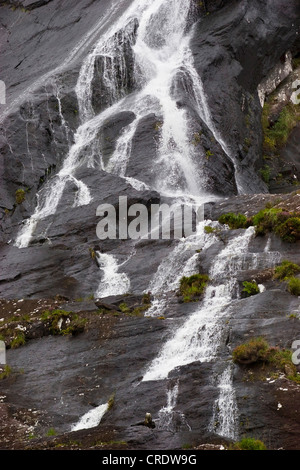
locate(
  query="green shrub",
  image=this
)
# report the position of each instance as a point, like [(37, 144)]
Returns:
[(258, 350), (193, 287), (289, 231), (286, 270), (250, 288), (254, 350), (283, 223), (282, 359), (294, 286), (275, 136), (234, 221), (267, 219), (249, 443)]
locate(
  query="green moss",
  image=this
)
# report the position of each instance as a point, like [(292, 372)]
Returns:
[(257, 350), (283, 223), (265, 174), (209, 154), (276, 135), (289, 231), (254, 350), (234, 221), (136, 311), (20, 196), (250, 288), (53, 319), (192, 288), (286, 270), (124, 308), (18, 340), (197, 139), (249, 443), (111, 402), (5, 372), (294, 286), (208, 229), (296, 62)]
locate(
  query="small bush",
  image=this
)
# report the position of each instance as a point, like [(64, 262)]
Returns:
[(266, 220), (234, 221), (283, 223), (294, 286), (193, 287), (286, 270), (275, 136), (249, 443), (289, 231), (258, 350), (254, 350), (250, 288)]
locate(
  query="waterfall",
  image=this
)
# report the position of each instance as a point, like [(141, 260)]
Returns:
[(168, 418), (155, 37), (182, 261), (91, 419), (198, 339), (225, 410), (113, 282)]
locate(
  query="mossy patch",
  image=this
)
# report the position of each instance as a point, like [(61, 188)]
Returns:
[(248, 443), (257, 351), (192, 288)]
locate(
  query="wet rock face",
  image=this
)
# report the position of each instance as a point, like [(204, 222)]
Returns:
[(115, 71), (235, 45), (239, 35)]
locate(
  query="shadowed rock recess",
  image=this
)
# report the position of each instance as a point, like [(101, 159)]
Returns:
[(150, 343)]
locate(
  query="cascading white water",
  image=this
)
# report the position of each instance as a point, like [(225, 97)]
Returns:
[(168, 418), (91, 419), (198, 339), (225, 412), (182, 261), (113, 282), (200, 336), (161, 49)]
